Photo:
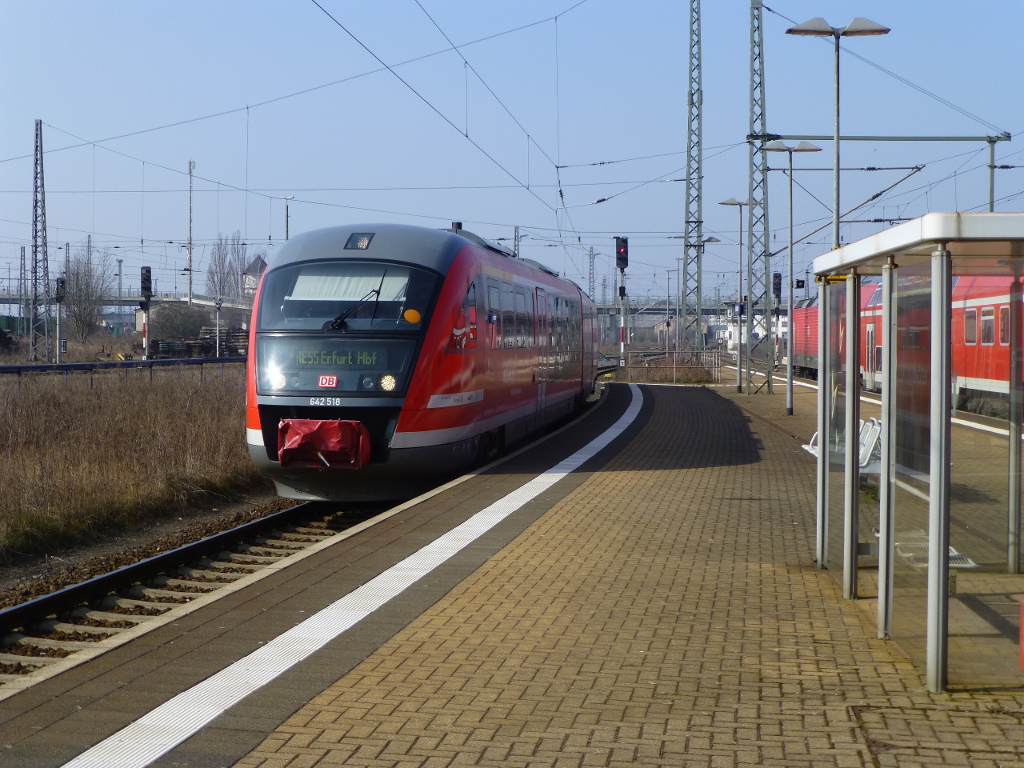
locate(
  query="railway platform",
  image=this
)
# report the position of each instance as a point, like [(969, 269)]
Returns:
[(658, 605)]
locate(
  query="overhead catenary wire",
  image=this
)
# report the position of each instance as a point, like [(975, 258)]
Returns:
[(901, 79), (486, 85), (560, 185), (521, 127), (563, 185), (432, 107), (292, 95)]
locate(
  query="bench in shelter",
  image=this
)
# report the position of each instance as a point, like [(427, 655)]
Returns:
[(869, 447)]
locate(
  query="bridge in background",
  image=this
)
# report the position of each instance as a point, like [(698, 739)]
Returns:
[(14, 300)]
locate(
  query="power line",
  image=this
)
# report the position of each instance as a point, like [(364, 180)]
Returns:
[(484, 82), (434, 109), (266, 191), (294, 94), (903, 80)]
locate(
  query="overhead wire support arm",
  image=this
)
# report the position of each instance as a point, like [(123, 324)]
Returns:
[(819, 137), (990, 140)]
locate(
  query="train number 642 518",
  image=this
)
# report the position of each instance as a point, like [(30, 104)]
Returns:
[(325, 401)]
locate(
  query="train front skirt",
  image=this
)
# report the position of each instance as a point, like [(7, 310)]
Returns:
[(323, 443)]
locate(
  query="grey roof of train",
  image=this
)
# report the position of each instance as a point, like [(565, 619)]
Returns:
[(431, 248)]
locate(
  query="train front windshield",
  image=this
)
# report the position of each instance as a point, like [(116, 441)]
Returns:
[(332, 327)]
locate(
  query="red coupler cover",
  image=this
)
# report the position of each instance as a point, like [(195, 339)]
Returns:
[(334, 444)]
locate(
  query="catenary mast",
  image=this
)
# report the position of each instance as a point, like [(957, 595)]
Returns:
[(761, 352), (693, 250), (40, 344)]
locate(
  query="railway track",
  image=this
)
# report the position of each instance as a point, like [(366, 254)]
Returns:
[(44, 636), (49, 634)]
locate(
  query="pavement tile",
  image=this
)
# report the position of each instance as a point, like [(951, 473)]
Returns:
[(666, 612)]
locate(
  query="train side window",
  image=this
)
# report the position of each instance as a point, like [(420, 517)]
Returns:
[(988, 325), (523, 320), (508, 310), (970, 326), (552, 334), (1004, 325), (493, 315)]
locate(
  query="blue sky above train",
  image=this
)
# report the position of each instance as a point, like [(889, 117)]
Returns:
[(278, 100)]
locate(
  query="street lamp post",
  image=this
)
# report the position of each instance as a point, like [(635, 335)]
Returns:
[(818, 27), (779, 146), (739, 295)]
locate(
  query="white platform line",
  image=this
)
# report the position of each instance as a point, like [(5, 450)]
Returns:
[(162, 729)]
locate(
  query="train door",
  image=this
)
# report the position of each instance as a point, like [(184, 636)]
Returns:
[(495, 358), (869, 357), (543, 348)]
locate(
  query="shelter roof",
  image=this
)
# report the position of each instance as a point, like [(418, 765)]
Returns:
[(979, 243)]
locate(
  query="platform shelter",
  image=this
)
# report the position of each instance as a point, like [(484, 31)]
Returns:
[(912, 489)]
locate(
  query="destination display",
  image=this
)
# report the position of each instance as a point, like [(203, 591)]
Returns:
[(350, 358), (327, 365)]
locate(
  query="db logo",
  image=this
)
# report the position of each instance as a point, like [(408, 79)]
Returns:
[(328, 382)]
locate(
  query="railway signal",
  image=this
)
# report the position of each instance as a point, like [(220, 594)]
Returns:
[(146, 286), (622, 261), (621, 252)]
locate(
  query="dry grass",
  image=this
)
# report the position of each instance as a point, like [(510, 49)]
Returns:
[(683, 375), (662, 374), (84, 455)]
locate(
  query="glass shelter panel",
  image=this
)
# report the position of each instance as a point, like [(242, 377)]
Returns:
[(870, 428), (834, 372), (985, 600), (913, 440)]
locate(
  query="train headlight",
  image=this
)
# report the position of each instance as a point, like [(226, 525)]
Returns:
[(388, 382), (277, 379), (367, 382)]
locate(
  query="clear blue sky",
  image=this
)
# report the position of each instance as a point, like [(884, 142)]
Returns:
[(276, 99)]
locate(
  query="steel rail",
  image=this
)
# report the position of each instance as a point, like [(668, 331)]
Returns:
[(40, 608)]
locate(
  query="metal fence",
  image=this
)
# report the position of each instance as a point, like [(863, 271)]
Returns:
[(676, 366), (127, 366)]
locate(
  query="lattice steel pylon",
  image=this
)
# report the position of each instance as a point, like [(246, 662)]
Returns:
[(693, 249), (592, 285), (39, 312), (761, 352)]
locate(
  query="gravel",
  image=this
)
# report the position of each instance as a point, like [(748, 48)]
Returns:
[(35, 577)]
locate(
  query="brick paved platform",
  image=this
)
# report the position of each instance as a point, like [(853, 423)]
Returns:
[(666, 612)]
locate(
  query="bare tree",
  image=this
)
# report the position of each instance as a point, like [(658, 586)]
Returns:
[(227, 260), (90, 279), (176, 320)]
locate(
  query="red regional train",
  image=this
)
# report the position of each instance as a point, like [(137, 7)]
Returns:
[(981, 337), (384, 359)]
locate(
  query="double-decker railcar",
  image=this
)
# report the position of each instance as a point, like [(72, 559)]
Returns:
[(981, 322), (385, 358)]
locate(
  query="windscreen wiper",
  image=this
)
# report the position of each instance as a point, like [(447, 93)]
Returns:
[(338, 323)]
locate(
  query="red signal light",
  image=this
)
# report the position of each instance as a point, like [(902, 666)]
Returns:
[(621, 252)]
